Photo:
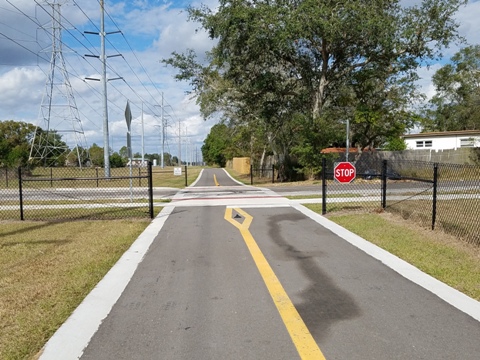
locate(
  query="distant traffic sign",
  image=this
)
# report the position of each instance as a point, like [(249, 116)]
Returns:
[(344, 172)]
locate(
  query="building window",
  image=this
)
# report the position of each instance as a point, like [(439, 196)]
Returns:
[(467, 142), (426, 143)]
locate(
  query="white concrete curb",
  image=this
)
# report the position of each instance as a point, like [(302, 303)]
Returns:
[(71, 339), (450, 295)]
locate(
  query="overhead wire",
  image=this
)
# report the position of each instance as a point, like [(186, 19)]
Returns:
[(150, 104), (147, 103), (138, 60), (48, 60)]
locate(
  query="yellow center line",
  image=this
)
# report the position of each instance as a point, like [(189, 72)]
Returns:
[(306, 346), (215, 180)]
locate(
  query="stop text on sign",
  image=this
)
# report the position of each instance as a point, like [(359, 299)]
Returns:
[(344, 172)]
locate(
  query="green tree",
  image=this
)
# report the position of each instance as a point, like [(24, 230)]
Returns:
[(316, 62), (15, 139), (395, 144), (48, 149), (167, 159), (456, 104), (215, 145), (96, 155), (116, 160), (123, 152), (73, 157)]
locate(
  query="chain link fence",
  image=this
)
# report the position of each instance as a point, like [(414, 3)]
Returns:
[(414, 196), (263, 174), (75, 193), (458, 201), (440, 196)]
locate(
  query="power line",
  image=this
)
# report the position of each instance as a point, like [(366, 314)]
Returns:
[(151, 88)]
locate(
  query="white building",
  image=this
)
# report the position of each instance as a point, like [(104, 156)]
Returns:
[(443, 140)]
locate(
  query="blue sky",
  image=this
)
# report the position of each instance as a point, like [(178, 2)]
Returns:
[(151, 30)]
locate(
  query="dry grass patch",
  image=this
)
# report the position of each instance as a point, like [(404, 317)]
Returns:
[(93, 178), (47, 269), (165, 177)]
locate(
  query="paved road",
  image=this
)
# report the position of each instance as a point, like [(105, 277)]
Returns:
[(237, 272)]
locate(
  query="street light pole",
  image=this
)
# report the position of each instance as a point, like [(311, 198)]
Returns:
[(348, 140)]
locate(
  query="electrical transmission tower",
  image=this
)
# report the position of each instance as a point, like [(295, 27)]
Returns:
[(59, 132)]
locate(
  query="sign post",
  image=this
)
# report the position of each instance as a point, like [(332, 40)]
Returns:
[(344, 172), (177, 171), (128, 119)]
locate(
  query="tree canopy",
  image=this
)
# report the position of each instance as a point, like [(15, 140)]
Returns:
[(216, 145), (290, 67), (15, 138), (456, 104)]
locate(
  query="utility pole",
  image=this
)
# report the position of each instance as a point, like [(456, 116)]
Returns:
[(179, 144), (163, 134), (103, 59), (186, 145), (143, 141)]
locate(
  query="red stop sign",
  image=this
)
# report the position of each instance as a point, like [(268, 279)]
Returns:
[(344, 172)]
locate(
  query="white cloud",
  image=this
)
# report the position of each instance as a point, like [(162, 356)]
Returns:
[(154, 29), (20, 86), (425, 82), (468, 20), (469, 27)]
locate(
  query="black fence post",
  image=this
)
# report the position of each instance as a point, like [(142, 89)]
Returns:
[(435, 184), (6, 177), (324, 186), (139, 176), (273, 174), (51, 177), (186, 176), (150, 189), (384, 184), (251, 174), (96, 172), (20, 192)]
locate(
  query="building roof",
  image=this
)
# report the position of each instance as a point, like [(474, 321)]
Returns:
[(340, 150), (443, 133)]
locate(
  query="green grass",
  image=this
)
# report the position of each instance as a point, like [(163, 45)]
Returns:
[(458, 217), (165, 178), (47, 269), (450, 261), (107, 213)]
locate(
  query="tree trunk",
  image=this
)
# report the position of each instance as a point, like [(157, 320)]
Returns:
[(262, 160), (320, 93)]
